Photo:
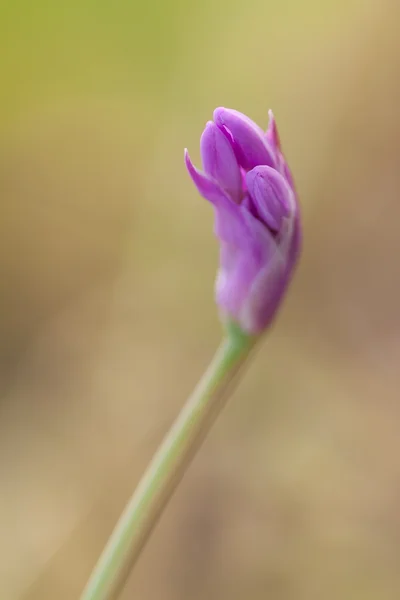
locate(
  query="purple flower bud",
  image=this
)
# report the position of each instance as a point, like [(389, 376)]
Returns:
[(247, 180)]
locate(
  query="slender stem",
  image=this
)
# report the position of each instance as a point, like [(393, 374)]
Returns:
[(166, 470)]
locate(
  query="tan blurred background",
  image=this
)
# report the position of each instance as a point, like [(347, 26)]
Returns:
[(107, 316)]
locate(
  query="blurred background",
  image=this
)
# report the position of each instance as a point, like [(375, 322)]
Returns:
[(107, 317)]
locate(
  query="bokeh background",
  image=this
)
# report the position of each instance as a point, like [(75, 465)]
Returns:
[(107, 262)]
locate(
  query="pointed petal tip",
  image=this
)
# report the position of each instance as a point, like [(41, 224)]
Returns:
[(193, 172), (272, 131), (271, 120), (206, 186), (188, 162)]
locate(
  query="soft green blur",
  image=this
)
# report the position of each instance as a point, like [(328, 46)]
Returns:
[(107, 315)]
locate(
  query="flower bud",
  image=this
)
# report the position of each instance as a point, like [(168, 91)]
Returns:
[(248, 181)]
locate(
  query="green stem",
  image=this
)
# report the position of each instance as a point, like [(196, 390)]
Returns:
[(166, 470)]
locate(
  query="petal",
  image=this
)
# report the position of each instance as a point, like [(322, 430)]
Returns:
[(288, 175), (272, 132), (249, 205), (235, 277), (230, 225), (241, 267), (219, 160), (269, 288), (272, 136), (271, 195), (251, 145), (265, 295), (206, 186)]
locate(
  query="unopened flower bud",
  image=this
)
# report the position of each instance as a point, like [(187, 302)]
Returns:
[(249, 183)]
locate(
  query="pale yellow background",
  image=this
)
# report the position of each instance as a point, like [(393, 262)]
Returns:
[(107, 262)]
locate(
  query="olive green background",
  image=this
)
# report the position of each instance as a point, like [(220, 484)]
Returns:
[(107, 264)]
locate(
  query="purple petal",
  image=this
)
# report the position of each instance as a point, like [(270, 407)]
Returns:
[(271, 195), (219, 160), (240, 267), (230, 225), (251, 146), (206, 186), (265, 295), (272, 136), (268, 289), (288, 175), (249, 205), (236, 274), (272, 132)]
